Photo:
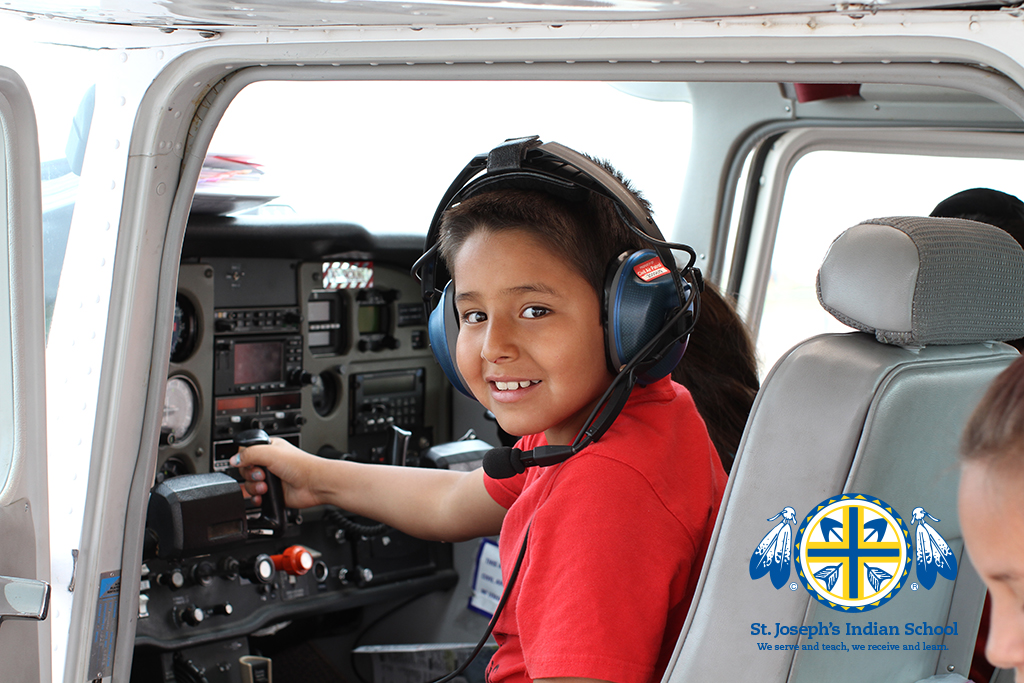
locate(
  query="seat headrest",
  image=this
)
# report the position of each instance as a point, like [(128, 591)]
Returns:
[(918, 281)]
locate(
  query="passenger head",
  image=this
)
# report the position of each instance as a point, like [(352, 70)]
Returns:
[(720, 370), (987, 206), (992, 510)]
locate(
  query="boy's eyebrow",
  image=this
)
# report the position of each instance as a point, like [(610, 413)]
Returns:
[(518, 289)]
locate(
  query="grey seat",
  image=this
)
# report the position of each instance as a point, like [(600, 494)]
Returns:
[(877, 412)]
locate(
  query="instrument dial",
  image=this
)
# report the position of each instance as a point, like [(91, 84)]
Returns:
[(180, 401), (184, 331)]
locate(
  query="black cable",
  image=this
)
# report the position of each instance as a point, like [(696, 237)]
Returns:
[(368, 530), (494, 619)]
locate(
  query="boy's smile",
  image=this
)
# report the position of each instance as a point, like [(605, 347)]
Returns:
[(531, 344)]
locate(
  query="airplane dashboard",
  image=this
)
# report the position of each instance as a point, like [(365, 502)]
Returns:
[(315, 334)]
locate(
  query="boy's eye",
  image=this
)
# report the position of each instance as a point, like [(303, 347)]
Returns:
[(535, 312), (473, 317)]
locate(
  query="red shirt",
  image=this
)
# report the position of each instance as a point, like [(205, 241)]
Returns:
[(618, 535)]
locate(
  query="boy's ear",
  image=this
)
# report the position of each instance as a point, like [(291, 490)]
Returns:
[(639, 299), (443, 332)]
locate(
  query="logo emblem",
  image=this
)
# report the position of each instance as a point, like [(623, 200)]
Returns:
[(853, 552), (933, 553)]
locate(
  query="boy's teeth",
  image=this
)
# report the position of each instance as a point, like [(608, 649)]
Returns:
[(508, 386)]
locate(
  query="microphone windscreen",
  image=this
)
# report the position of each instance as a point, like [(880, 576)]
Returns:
[(503, 462)]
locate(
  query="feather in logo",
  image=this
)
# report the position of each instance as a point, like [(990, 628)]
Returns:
[(774, 554), (853, 552), (933, 553)]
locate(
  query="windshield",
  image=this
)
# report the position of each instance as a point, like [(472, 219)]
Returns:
[(381, 154)]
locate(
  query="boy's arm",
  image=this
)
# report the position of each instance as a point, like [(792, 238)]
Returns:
[(432, 504)]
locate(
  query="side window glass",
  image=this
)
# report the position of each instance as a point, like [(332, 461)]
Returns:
[(828, 192), (370, 151), (6, 343)]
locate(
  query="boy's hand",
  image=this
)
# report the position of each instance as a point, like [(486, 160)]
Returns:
[(294, 467)]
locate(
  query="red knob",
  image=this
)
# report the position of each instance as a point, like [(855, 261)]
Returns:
[(295, 560)]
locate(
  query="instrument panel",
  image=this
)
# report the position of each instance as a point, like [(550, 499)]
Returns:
[(330, 352), (326, 360)]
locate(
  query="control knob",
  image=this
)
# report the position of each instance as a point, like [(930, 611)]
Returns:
[(295, 560), (259, 569), (192, 615)]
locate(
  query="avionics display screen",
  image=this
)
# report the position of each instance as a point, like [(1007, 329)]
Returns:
[(389, 384), (370, 319), (259, 362)]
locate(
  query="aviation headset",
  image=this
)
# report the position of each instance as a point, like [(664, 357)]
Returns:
[(648, 308)]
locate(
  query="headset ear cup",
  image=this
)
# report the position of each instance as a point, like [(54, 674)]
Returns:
[(443, 331), (640, 295)]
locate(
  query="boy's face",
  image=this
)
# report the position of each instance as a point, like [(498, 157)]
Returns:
[(531, 344), (992, 521)]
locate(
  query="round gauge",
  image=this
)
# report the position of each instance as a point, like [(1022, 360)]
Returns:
[(184, 332), (325, 393), (180, 401)]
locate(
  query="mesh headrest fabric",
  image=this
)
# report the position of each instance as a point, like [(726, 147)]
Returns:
[(920, 281)]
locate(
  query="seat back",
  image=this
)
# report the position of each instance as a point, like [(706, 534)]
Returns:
[(876, 412)]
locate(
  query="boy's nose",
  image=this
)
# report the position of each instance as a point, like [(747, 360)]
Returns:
[(1005, 647), (499, 342)]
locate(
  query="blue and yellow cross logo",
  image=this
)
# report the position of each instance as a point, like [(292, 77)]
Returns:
[(853, 552)]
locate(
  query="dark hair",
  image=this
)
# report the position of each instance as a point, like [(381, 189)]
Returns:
[(989, 206), (996, 427), (985, 206), (589, 233), (720, 370)]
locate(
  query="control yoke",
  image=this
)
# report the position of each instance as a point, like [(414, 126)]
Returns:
[(273, 518)]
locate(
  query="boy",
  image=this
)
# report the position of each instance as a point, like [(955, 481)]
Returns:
[(992, 510), (618, 532)]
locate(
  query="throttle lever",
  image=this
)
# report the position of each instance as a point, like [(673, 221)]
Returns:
[(272, 518)]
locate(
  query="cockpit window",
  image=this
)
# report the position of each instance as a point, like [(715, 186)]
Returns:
[(830, 191), (6, 343), (61, 83), (381, 154)]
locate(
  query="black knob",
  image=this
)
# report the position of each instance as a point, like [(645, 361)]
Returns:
[(203, 573), (172, 579), (259, 569), (229, 568), (298, 420), (224, 325), (224, 609), (300, 377), (292, 318), (192, 615)]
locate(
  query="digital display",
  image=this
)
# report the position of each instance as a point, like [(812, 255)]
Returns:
[(321, 338), (318, 311), (236, 404), (370, 318), (393, 384), (270, 402), (258, 362)]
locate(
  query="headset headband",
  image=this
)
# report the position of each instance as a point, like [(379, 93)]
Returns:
[(528, 164)]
